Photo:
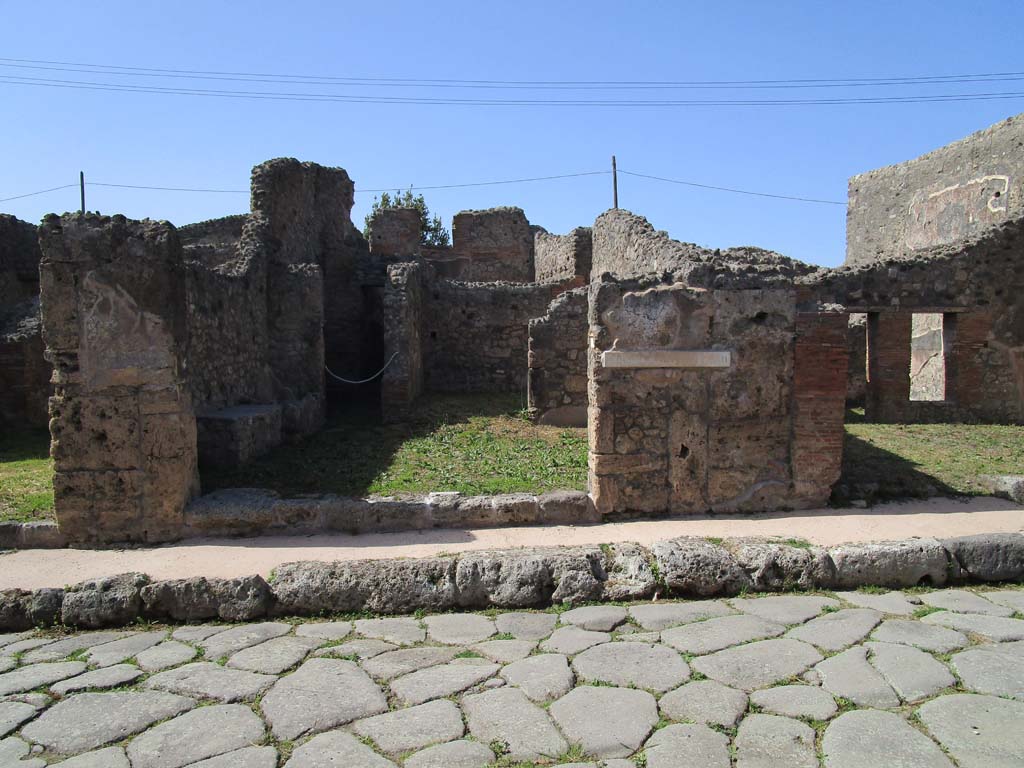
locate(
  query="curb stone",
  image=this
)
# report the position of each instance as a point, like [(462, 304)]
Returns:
[(520, 578)]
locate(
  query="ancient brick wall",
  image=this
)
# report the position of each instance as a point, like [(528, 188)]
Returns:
[(557, 384), (820, 379), (979, 285), (495, 244), (124, 434), (667, 437), (402, 381), (955, 193), (476, 335), (562, 257)]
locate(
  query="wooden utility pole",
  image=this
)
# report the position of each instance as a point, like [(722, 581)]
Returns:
[(81, 186), (615, 184)]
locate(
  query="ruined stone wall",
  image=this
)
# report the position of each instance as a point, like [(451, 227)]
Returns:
[(308, 209), (395, 232), (402, 382), (214, 241), (979, 286), (557, 391), (476, 335), (955, 193), (24, 373), (123, 428), (627, 246), (227, 326), (562, 257), (758, 429), (19, 261), (497, 244)]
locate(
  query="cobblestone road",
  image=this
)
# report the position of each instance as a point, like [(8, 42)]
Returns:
[(928, 679)]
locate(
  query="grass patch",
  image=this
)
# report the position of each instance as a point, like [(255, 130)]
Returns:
[(26, 476), (897, 461), (482, 444), (474, 444)]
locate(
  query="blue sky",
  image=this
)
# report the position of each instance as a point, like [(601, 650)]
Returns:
[(49, 134)]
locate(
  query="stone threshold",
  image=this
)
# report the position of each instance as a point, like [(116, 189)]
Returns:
[(260, 512), (521, 578)]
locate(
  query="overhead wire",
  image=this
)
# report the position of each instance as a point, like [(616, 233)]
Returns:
[(892, 80)]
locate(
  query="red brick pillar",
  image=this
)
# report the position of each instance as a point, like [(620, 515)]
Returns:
[(965, 334), (888, 387), (820, 362)]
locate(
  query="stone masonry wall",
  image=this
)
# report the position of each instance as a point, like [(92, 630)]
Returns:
[(955, 193), (402, 382), (557, 391), (476, 335), (24, 373), (308, 209), (395, 232), (562, 257), (123, 429), (753, 436), (497, 244), (227, 324), (627, 246)]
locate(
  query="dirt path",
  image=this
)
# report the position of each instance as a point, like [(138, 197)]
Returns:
[(32, 569)]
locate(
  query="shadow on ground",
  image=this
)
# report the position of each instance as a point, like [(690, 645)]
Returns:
[(476, 444), (873, 474)]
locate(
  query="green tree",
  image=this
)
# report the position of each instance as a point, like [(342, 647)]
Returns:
[(432, 231)]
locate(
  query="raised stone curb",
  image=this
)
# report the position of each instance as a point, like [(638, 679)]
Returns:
[(521, 578), (35, 535)]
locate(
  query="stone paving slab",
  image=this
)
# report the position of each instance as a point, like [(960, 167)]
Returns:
[(506, 717), (426, 692), (89, 720), (657, 616), (704, 701), (978, 731)]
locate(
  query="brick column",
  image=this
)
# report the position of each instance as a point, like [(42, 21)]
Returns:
[(820, 364), (888, 386), (965, 335)]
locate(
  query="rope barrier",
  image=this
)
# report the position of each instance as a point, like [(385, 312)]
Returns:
[(362, 381)]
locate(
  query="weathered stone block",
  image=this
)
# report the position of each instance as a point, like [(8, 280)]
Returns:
[(109, 601)]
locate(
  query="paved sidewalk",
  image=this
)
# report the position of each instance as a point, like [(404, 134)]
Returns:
[(229, 558), (852, 679)]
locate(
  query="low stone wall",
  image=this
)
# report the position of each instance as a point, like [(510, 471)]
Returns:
[(557, 391), (523, 578)]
